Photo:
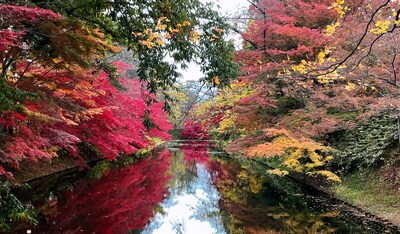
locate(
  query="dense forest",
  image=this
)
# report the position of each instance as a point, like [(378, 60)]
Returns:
[(312, 92)]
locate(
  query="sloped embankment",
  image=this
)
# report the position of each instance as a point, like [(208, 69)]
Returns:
[(369, 159)]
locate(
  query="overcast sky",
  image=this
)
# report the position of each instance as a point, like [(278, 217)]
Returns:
[(226, 7)]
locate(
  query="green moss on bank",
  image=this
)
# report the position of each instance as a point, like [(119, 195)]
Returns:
[(369, 191)]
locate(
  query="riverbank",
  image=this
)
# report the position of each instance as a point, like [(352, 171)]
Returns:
[(371, 193), (364, 190), (367, 191), (30, 171), (244, 199)]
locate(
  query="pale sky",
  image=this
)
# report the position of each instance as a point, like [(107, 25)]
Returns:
[(190, 210), (226, 6)]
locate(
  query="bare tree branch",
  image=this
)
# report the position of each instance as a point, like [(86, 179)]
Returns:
[(332, 68)]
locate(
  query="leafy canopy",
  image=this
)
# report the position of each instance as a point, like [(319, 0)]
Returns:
[(161, 31)]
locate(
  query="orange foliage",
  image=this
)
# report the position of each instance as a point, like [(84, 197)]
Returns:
[(281, 142)]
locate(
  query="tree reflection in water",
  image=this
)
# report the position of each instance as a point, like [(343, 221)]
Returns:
[(254, 202), (119, 202), (205, 195), (192, 205)]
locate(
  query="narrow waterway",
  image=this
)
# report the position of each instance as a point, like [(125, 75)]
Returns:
[(188, 187)]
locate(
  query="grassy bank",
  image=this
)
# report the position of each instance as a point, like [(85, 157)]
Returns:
[(370, 191)]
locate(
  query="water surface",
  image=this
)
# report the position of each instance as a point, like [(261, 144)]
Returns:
[(190, 187)]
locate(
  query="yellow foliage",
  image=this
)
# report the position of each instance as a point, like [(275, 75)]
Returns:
[(98, 37), (172, 30), (160, 42), (89, 113), (186, 23), (338, 6), (330, 29), (381, 27), (328, 174), (230, 190), (216, 80), (228, 122), (147, 43), (324, 76), (162, 33), (224, 100), (301, 68), (292, 162), (329, 158), (41, 116), (282, 142), (221, 105), (69, 122), (90, 103), (57, 60), (321, 57), (194, 36), (293, 149), (278, 172), (161, 26), (254, 183), (350, 86), (329, 78), (53, 151), (219, 30)]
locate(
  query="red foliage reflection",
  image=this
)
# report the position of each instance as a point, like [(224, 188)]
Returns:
[(123, 200), (196, 151)]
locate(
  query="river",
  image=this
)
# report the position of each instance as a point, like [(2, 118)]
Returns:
[(188, 187)]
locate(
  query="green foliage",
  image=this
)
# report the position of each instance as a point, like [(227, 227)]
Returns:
[(365, 189), (125, 20), (285, 105), (112, 73), (99, 169), (12, 209), (185, 95), (366, 144), (11, 98), (330, 93), (143, 152), (342, 114)]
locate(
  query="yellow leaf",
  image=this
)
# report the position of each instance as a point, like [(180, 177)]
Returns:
[(350, 86), (321, 57), (216, 80), (278, 172), (194, 36), (380, 27), (186, 23), (161, 26), (160, 42), (172, 30)]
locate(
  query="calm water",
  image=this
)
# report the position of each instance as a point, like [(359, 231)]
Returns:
[(188, 187)]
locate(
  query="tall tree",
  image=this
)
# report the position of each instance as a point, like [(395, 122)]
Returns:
[(56, 94), (186, 31), (301, 62)]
